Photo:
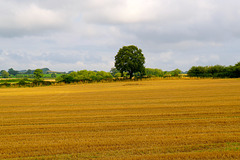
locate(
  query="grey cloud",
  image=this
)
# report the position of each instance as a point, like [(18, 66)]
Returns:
[(88, 34), (52, 59), (173, 21)]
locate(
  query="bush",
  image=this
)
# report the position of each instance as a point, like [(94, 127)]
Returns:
[(7, 84), (37, 82), (22, 82), (84, 76)]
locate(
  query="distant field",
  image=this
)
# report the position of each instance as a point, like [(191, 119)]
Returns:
[(155, 119)]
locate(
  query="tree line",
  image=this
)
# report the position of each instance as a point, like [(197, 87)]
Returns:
[(11, 73), (85, 76), (148, 72), (129, 63), (216, 71)]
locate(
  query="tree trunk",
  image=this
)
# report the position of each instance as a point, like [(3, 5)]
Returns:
[(131, 75)]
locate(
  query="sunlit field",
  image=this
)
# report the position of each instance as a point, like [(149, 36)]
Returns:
[(151, 119)]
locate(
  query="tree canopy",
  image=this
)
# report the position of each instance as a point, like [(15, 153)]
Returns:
[(38, 73), (12, 71), (5, 74), (130, 59), (215, 71), (150, 72), (85, 76)]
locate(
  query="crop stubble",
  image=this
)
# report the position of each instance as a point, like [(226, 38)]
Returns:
[(157, 119)]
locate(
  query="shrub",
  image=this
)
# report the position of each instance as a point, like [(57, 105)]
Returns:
[(22, 82)]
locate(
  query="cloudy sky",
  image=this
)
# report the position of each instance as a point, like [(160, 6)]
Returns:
[(66, 35)]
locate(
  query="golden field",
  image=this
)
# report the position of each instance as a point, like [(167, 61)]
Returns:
[(154, 119)]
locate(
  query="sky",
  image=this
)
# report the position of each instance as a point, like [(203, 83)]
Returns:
[(65, 35)]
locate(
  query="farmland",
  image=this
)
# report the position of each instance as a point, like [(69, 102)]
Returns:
[(150, 119)]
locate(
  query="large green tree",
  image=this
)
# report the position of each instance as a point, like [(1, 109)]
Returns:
[(176, 72), (5, 74), (12, 71), (38, 73), (130, 59)]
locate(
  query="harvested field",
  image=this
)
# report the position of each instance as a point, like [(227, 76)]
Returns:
[(155, 119)]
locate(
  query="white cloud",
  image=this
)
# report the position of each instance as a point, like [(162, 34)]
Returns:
[(27, 19), (115, 12), (34, 16)]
